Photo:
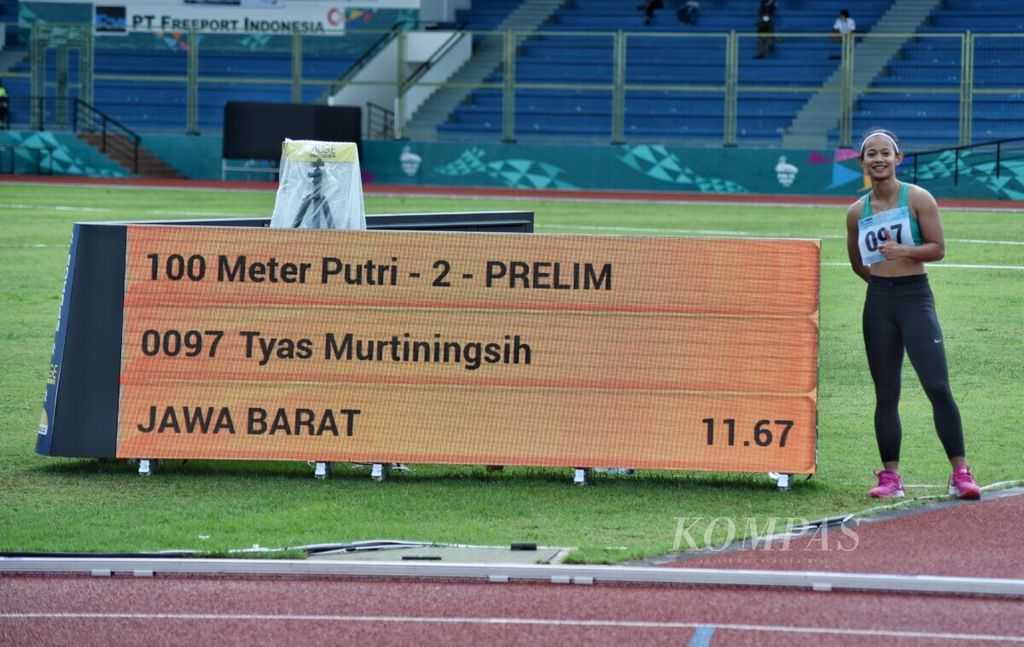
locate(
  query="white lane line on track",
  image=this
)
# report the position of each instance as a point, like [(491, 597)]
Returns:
[(55, 207), (33, 246), (541, 195), (655, 230), (136, 186), (210, 214), (972, 241), (661, 230), (957, 266), (752, 234), (152, 212), (638, 624), (664, 198)]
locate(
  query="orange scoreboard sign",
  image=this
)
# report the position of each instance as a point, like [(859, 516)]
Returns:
[(469, 348)]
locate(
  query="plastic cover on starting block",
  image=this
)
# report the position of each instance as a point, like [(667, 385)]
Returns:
[(320, 187)]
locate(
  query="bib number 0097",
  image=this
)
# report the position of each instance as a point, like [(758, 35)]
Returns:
[(875, 230), (874, 238)]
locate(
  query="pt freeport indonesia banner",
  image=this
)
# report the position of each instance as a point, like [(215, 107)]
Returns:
[(234, 16)]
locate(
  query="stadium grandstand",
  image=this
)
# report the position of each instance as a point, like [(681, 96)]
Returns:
[(945, 73)]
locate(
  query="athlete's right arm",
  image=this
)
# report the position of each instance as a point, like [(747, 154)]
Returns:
[(852, 246)]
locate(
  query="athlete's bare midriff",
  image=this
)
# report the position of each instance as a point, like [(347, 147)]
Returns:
[(898, 267)]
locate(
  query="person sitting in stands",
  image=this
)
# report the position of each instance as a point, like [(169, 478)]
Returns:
[(648, 7), (689, 13), (3, 105), (842, 27)]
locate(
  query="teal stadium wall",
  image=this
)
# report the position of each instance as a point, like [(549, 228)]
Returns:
[(64, 154), (633, 168), (581, 167)]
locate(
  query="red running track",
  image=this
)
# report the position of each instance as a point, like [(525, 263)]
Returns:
[(963, 539), (84, 611)]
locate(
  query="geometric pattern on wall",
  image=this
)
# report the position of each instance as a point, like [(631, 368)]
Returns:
[(513, 173), (659, 163), (61, 158)]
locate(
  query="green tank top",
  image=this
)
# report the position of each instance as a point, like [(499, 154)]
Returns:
[(915, 228)]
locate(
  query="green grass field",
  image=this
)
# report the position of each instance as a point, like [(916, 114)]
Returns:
[(55, 504)]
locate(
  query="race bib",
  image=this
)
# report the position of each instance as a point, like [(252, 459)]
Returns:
[(893, 224)]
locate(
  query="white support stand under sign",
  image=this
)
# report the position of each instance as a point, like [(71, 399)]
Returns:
[(379, 471)]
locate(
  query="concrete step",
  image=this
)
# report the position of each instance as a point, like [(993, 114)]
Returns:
[(487, 56), (121, 150)]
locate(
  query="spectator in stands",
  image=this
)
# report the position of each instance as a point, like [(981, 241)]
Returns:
[(648, 7), (689, 13), (3, 105), (765, 28), (842, 27)]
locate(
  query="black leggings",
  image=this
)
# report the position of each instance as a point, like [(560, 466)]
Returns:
[(899, 313)]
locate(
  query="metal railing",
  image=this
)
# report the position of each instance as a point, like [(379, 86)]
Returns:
[(458, 34), (380, 122), (369, 54), (716, 66), (10, 156), (84, 119), (1002, 152), (709, 69), (71, 113)]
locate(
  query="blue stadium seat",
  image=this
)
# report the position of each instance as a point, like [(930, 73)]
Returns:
[(678, 57), (485, 16), (651, 60), (934, 61), (161, 105)]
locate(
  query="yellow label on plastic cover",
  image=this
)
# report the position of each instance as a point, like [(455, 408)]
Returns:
[(307, 150)]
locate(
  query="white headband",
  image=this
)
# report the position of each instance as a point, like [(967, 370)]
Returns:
[(879, 133)]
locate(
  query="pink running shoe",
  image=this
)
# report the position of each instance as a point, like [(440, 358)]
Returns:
[(962, 485), (889, 484)]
